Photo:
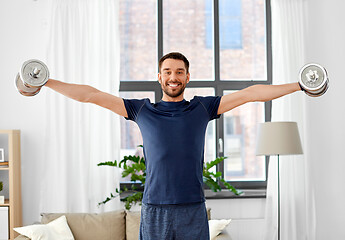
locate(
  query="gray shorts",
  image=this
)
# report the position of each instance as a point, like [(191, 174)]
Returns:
[(174, 222)]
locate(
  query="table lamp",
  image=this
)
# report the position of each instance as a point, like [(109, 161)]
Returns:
[(278, 138)]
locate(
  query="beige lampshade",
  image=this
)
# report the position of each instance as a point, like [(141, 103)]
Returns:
[(278, 138)]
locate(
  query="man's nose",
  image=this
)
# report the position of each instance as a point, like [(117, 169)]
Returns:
[(173, 76)]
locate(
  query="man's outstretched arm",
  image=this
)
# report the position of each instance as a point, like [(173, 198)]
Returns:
[(88, 94), (256, 93)]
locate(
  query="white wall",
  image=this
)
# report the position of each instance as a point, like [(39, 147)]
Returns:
[(23, 31), (326, 116)]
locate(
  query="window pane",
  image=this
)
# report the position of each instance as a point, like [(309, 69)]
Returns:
[(240, 129), (185, 30), (242, 30), (138, 40), (210, 146)]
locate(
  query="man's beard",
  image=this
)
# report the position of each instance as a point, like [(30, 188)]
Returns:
[(173, 94)]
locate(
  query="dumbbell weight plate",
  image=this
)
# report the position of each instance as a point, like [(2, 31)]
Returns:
[(24, 90), (41, 71), (320, 93), (314, 79)]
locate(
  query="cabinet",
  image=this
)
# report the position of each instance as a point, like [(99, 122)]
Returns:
[(10, 175)]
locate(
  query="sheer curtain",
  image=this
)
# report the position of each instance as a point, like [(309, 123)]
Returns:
[(297, 194), (83, 48)]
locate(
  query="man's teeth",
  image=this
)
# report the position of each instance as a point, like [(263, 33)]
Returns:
[(173, 85)]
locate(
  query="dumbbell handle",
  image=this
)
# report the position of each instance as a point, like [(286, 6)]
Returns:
[(35, 72)]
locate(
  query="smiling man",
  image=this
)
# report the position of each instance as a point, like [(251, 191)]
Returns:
[(173, 76), (173, 132)]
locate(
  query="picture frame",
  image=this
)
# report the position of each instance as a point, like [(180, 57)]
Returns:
[(2, 156)]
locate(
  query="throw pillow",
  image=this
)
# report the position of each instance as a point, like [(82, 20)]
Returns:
[(55, 230), (217, 226)]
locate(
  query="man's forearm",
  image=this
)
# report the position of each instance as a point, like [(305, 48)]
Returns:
[(77, 92), (255, 93), (264, 93)]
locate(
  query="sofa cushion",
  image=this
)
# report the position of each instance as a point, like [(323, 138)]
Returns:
[(208, 213), (132, 225), (86, 226)]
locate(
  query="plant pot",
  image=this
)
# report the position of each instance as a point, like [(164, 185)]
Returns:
[(2, 199)]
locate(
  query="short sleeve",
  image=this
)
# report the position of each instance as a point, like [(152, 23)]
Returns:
[(211, 105), (133, 107)]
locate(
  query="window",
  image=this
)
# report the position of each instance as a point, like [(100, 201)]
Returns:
[(240, 128), (228, 45), (230, 24)]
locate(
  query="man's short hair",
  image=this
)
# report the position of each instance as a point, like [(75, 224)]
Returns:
[(174, 55)]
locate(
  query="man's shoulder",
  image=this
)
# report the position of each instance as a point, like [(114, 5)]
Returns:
[(134, 106), (136, 101), (205, 98)]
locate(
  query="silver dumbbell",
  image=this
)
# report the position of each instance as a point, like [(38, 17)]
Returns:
[(31, 77), (313, 79)]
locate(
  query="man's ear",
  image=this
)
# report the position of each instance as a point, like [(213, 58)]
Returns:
[(159, 78), (188, 77)]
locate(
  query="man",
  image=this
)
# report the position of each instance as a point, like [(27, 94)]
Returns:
[(173, 132)]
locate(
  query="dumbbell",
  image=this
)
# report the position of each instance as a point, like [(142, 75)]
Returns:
[(31, 77), (313, 79)]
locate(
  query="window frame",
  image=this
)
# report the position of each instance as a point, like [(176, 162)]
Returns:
[(218, 85)]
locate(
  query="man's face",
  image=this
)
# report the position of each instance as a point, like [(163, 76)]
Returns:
[(173, 78)]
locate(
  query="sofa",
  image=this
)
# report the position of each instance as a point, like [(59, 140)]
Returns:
[(115, 225)]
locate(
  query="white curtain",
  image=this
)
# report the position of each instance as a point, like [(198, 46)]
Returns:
[(83, 48), (297, 190)]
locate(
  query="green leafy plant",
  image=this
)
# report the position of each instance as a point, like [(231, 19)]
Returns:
[(210, 177), (1, 186), (135, 167)]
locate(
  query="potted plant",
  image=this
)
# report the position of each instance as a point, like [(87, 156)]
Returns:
[(135, 168), (2, 198)]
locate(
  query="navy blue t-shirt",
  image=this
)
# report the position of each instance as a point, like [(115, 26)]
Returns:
[(173, 142)]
